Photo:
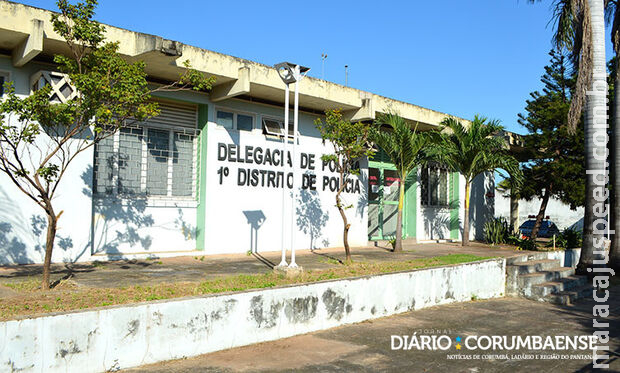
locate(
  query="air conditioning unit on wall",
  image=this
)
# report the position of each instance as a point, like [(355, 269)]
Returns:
[(62, 90)]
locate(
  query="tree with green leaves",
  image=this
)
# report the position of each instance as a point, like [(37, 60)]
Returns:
[(580, 30), (405, 148), (470, 151), (40, 137), (557, 162), (350, 141)]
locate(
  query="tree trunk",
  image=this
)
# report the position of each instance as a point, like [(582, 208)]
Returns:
[(614, 250), (52, 221), (595, 108), (541, 213), (465, 241), (398, 246), (514, 213), (345, 232)]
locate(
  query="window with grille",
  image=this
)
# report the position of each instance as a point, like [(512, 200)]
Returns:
[(152, 158), (434, 186)]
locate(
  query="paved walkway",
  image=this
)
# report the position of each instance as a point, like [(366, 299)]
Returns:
[(201, 267), (366, 347)]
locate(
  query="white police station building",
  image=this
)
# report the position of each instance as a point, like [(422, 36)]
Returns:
[(206, 176)]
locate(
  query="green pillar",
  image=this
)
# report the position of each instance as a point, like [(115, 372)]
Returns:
[(454, 206), (410, 216), (201, 185)]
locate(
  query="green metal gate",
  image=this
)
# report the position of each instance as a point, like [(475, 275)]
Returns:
[(383, 188)]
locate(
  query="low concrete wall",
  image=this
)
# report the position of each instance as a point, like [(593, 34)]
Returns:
[(119, 337), (568, 257)]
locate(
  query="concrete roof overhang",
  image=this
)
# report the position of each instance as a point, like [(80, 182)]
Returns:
[(26, 33)]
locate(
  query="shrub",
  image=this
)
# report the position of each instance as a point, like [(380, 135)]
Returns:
[(568, 239), (392, 241), (527, 244), (572, 237), (496, 231), (513, 239)]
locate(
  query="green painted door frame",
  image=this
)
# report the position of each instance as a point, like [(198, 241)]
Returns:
[(455, 222), (201, 185), (381, 163)]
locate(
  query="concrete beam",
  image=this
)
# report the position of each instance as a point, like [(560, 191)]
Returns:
[(31, 47), (240, 86), (148, 44), (365, 113)]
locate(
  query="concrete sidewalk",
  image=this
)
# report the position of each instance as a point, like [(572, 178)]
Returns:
[(366, 347), (201, 267)]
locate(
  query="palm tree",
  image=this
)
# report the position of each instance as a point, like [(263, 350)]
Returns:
[(580, 28), (404, 147), (471, 151), (612, 15)]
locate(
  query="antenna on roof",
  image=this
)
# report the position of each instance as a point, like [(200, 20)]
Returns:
[(323, 58), (346, 75)]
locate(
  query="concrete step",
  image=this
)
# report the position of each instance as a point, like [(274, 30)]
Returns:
[(526, 281), (526, 257), (571, 296), (518, 269), (562, 284), (532, 266)]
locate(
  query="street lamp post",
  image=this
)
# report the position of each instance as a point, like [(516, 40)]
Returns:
[(284, 174), (292, 264), (290, 73)]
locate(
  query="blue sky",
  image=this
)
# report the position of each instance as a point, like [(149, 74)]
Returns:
[(455, 56)]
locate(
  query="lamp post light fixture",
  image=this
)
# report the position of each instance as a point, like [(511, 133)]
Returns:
[(290, 73)]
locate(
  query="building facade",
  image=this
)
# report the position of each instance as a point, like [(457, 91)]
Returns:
[(206, 176)]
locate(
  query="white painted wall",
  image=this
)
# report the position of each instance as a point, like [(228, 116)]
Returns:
[(126, 227), (113, 338), (23, 223), (481, 203), (559, 213), (90, 229), (243, 218), (146, 227), (433, 223)]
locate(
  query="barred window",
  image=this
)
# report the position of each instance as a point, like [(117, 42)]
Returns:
[(153, 158), (146, 161), (434, 186)]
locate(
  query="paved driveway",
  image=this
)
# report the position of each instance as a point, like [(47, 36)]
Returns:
[(366, 347)]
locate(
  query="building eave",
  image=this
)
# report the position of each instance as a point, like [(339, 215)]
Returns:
[(28, 33)]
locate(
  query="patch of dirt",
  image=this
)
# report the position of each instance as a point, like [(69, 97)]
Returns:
[(6, 292), (270, 356)]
